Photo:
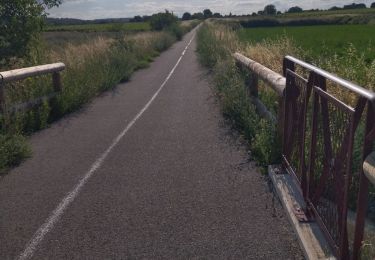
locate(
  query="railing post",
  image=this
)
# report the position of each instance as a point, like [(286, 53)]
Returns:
[(363, 185), (254, 85), (56, 80), (281, 117), (283, 110), (2, 95)]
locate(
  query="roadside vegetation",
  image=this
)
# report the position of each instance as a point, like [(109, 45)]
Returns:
[(216, 44), (351, 58), (96, 60)]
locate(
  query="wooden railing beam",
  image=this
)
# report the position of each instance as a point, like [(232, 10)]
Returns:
[(20, 74)]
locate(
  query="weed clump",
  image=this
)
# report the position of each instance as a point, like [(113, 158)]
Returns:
[(216, 44)]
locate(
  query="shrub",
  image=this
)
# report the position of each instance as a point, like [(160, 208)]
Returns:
[(21, 23), (176, 30), (13, 149), (161, 21), (186, 16)]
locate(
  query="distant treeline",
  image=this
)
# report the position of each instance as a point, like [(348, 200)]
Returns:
[(273, 22), (269, 10), (72, 21), (352, 6)]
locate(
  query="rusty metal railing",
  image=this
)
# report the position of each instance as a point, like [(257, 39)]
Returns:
[(318, 141), (319, 128)]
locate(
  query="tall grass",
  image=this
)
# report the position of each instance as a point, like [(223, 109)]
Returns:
[(91, 67), (216, 43), (319, 40)]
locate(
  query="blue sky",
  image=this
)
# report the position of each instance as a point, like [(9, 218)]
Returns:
[(93, 9)]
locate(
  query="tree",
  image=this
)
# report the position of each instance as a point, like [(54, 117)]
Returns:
[(21, 22), (198, 16), (295, 9), (146, 18), (269, 10), (334, 8), (207, 13), (372, 5), (354, 6), (217, 15), (161, 21), (186, 16), (136, 19)]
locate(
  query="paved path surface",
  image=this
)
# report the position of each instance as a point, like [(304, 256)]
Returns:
[(148, 171)]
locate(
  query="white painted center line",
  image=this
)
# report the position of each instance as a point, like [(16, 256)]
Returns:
[(54, 217)]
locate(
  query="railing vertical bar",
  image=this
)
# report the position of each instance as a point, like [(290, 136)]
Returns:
[(313, 142), (283, 103), (344, 243)]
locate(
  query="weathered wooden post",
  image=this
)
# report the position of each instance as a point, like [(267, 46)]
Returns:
[(254, 85), (21, 74), (280, 117), (260, 72), (56, 80), (2, 95)]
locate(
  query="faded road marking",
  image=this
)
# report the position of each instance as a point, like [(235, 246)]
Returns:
[(49, 224)]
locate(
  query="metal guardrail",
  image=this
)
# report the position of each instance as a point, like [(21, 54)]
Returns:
[(20, 74), (318, 131)]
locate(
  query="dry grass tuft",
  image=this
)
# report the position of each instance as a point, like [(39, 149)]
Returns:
[(271, 53)]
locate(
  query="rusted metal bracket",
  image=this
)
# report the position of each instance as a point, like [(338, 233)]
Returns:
[(279, 169), (301, 214)]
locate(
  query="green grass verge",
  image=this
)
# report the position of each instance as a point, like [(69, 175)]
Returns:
[(235, 103)]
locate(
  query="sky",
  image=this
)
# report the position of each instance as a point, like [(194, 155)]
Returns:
[(96, 9)]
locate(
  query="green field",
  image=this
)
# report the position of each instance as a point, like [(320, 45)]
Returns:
[(107, 27), (319, 40), (367, 11)]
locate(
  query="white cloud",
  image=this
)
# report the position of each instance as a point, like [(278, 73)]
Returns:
[(92, 9)]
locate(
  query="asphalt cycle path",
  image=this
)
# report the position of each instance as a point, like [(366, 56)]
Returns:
[(147, 171)]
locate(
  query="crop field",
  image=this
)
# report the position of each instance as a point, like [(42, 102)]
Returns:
[(107, 27), (351, 12), (319, 40)]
